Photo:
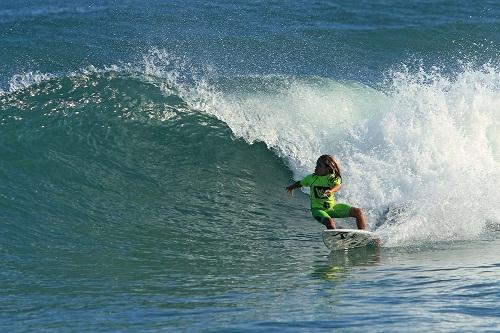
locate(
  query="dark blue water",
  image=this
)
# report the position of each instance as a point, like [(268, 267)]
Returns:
[(145, 148)]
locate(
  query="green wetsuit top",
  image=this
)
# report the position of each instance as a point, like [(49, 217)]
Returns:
[(318, 185)]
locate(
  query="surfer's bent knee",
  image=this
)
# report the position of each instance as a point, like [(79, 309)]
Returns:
[(355, 212), (328, 223)]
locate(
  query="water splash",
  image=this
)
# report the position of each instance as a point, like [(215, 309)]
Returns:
[(429, 166)]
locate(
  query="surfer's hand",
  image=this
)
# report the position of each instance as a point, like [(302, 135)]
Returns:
[(292, 187), (332, 190)]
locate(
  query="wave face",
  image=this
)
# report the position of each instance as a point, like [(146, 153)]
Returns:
[(163, 140), (114, 174)]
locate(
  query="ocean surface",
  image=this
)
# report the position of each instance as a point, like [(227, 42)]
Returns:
[(145, 147)]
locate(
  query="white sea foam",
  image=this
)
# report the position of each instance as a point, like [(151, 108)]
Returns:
[(429, 165)]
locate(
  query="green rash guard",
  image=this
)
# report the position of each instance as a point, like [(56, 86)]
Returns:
[(318, 185)]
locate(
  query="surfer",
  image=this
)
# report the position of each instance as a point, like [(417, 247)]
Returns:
[(323, 183)]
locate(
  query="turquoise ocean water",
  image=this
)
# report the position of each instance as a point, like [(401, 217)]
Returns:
[(145, 147)]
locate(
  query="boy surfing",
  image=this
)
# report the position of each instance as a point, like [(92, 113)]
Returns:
[(323, 183)]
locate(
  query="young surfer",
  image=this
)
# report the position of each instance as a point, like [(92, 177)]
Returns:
[(323, 183)]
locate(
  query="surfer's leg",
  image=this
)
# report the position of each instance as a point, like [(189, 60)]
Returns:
[(344, 210), (360, 218), (322, 217), (329, 223)]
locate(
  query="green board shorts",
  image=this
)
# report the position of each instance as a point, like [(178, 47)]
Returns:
[(337, 211)]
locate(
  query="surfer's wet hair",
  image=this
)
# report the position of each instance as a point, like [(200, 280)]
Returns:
[(331, 163)]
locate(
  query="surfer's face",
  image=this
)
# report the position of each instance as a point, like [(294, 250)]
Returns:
[(321, 169)]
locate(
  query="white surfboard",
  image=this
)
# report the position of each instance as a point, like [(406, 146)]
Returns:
[(339, 239)]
